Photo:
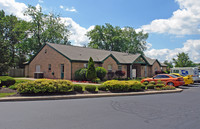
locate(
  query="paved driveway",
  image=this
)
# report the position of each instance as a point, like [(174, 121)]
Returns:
[(160, 111)]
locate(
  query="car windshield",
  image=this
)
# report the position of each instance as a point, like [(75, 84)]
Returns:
[(173, 76)]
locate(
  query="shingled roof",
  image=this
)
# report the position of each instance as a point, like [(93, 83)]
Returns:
[(75, 53)]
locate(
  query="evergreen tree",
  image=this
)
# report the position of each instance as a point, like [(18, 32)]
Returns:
[(91, 72)]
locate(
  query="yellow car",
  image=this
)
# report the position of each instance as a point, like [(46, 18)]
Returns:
[(187, 79)]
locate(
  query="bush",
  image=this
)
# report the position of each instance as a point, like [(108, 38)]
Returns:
[(13, 87), (135, 85), (7, 81), (80, 74), (168, 88), (160, 82), (122, 86), (102, 87), (145, 83), (101, 72), (119, 73), (77, 88), (152, 82), (110, 75), (18, 81), (160, 85), (44, 86), (150, 86), (90, 88), (96, 80), (91, 72)]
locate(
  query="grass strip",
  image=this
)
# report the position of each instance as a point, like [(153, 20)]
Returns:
[(6, 94)]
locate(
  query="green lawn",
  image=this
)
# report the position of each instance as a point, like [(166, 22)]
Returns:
[(6, 94)]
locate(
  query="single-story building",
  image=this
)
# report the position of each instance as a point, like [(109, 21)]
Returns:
[(62, 61)]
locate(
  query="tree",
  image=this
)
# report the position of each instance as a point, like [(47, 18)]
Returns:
[(91, 72), (169, 64), (117, 39), (45, 28), (183, 60)]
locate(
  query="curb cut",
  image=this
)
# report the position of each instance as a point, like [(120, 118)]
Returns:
[(79, 96)]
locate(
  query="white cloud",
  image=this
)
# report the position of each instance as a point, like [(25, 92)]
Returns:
[(192, 47), (61, 7), (15, 8), (184, 21), (72, 9), (40, 1), (78, 33)]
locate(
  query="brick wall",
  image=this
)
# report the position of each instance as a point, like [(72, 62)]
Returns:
[(49, 56), (155, 67), (111, 61)]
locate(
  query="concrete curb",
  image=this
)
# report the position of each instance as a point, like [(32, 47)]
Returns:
[(78, 96)]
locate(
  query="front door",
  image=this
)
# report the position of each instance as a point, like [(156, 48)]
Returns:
[(37, 68), (62, 71)]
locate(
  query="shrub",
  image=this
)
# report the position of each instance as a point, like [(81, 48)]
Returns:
[(44, 86), (122, 86), (90, 88), (145, 83), (150, 86), (101, 72), (91, 72), (119, 73), (7, 81), (77, 88), (160, 82), (102, 87), (152, 82), (110, 75), (13, 87), (135, 86), (168, 88), (160, 85), (96, 80), (81, 74)]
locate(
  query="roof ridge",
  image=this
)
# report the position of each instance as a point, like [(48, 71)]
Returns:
[(94, 49)]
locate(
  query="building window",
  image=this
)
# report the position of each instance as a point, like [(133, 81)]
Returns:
[(109, 68), (45, 51), (120, 67), (86, 65), (49, 68)]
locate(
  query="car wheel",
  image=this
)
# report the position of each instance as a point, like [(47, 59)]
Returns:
[(170, 84)]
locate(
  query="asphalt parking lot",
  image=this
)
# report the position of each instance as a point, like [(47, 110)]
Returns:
[(167, 111)]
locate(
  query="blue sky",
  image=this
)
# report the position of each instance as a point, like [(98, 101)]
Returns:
[(173, 25)]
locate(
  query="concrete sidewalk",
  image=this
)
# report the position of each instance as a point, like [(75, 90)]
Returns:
[(78, 96)]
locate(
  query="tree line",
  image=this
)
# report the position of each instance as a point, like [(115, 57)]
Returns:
[(20, 39)]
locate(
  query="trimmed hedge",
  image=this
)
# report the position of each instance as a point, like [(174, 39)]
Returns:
[(45, 86), (122, 86), (6, 81), (90, 88), (102, 88), (77, 88)]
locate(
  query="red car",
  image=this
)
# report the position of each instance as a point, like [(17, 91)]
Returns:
[(170, 80)]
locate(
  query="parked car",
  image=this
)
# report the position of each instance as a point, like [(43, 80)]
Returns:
[(168, 79), (187, 79), (187, 71)]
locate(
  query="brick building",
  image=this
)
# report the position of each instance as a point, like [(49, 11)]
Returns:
[(61, 62)]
